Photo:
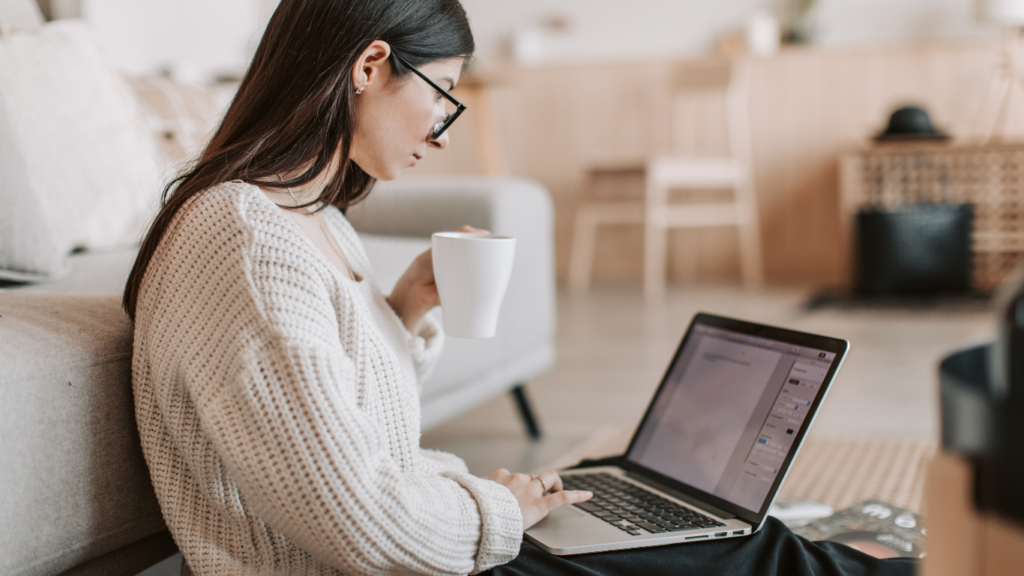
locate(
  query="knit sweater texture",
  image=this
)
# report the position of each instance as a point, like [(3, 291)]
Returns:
[(278, 407)]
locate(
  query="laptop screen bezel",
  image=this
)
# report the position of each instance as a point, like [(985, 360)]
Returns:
[(823, 343)]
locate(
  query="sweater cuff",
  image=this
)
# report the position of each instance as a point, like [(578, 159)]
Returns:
[(501, 521), (444, 461), (426, 347)]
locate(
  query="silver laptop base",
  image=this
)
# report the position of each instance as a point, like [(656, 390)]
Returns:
[(570, 530)]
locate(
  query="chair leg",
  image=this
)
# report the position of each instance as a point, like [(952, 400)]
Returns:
[(690, 255), (654, 260), (581, 258), (526, 412), (750, 249)]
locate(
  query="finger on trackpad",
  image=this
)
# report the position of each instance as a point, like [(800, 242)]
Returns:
[(566, 512)]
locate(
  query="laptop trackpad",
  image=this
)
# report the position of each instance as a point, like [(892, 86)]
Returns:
[(563, 518), (566, 512), (569, 527)]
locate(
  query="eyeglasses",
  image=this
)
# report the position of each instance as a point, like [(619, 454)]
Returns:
[(440, 127)]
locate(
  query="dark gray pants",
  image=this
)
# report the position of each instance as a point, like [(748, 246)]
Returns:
[(773, 551)]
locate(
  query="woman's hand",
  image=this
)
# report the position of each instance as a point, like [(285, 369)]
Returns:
[(415, 293), (534, 501)]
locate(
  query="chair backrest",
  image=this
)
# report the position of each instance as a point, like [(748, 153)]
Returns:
[(710, 108)]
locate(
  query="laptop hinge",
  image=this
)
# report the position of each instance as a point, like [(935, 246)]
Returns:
[(684, 497)]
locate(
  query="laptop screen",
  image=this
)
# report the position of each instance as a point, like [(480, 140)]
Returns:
[(731, 408)]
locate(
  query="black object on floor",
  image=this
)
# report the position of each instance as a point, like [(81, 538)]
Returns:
[(838, 299), (914, 249), (982, 420)]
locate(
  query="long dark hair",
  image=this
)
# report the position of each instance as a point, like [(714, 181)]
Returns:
[(294, 108)]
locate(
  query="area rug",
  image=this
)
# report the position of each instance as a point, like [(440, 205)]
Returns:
[(836, 471)]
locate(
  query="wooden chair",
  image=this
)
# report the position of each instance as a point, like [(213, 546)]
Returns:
[(666, 172)]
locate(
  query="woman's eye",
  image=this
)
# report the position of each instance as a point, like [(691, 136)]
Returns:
[(439, 96)]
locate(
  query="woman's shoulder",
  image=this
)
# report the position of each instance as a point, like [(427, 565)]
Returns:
[(233, 231), (230, 209), (234, 197), (232, 225)]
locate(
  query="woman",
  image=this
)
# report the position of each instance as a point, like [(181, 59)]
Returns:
[(276, 388)]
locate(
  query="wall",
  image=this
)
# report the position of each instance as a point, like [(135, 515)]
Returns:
[(196, 40), (602, 30), (205, 38)]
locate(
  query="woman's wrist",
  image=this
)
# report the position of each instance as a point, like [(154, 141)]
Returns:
[(415, 293), (411, 319)]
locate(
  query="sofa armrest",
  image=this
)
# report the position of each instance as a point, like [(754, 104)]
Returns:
[(471, 371), (421, 206), (506, 206)]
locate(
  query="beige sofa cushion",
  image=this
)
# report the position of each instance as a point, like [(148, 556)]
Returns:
[(75, 485), (27, 252), (20, 14)]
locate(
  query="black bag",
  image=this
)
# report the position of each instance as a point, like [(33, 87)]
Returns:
[(917, 249)]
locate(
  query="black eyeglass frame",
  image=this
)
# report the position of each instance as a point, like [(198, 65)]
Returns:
[(459, 106)]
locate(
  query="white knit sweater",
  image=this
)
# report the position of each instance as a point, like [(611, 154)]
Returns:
[(278, 406)]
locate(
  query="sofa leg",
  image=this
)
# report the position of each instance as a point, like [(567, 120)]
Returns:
[(526, 412)]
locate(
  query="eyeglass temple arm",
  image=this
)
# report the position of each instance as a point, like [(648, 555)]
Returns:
[(458, 105)]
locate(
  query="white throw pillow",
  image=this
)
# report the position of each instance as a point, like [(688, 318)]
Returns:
[(20, 14), (27, 252), (90, 163)]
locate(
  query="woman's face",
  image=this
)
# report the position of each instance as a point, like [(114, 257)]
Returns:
[(395, 116)]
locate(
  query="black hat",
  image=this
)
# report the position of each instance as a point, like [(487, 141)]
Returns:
[(911, 123)]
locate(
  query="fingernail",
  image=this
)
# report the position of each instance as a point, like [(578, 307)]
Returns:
[(588, 493)]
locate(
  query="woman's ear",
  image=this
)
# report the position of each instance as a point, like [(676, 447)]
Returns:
[(372, 68)]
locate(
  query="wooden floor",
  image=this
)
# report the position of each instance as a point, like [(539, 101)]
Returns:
[(613, 349)]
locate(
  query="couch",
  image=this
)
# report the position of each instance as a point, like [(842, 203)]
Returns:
[(75, 495)]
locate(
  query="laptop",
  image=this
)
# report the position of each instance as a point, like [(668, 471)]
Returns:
[(713, 448)]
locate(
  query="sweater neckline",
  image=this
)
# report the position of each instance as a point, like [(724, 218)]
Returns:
[(309, 242)]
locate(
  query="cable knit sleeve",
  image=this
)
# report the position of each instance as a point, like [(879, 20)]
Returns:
[(451, 466), (426, 347), (310, 412), (444, 461), (312, 466)]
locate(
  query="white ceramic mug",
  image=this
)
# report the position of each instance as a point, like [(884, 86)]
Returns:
[(472, 273)]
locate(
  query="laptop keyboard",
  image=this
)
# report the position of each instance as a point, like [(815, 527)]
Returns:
[(631, 508)]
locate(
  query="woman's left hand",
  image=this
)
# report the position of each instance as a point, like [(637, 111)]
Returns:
[(415, 293)]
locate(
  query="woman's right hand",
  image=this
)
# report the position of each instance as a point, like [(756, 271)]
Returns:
[(534, 502)]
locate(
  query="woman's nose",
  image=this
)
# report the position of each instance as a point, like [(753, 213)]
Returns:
[(441, 142)]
